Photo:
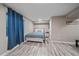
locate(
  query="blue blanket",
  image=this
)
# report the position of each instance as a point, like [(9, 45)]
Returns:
[(35, 35)]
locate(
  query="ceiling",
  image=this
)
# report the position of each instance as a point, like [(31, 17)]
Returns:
[(36, 11)]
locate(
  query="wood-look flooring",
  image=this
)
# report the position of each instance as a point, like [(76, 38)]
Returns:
[(45, 49)]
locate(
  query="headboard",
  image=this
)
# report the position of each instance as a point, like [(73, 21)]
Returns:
[(39, 30)]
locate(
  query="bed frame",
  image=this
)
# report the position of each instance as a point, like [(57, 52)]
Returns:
[(35, 39)]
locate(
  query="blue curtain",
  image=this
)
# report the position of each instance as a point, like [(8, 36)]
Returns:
[(21, 34), (11, 29), (15, 28)]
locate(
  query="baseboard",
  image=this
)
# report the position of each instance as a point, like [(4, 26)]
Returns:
[(9, 51), (71, 43)]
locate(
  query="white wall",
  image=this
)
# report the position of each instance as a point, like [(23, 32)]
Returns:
[(50, 28), (63, 32), (57, 24), (28, 26), (3, 38), (69, 33), (42, 26)]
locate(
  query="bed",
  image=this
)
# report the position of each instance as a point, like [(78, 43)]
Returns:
[(35, 36)]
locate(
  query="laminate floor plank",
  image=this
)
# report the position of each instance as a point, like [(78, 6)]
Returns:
[(44, 49), (66, 53), (70, 50), (59, 49)]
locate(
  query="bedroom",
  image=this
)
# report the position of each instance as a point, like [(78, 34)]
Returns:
[(39, 29)]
